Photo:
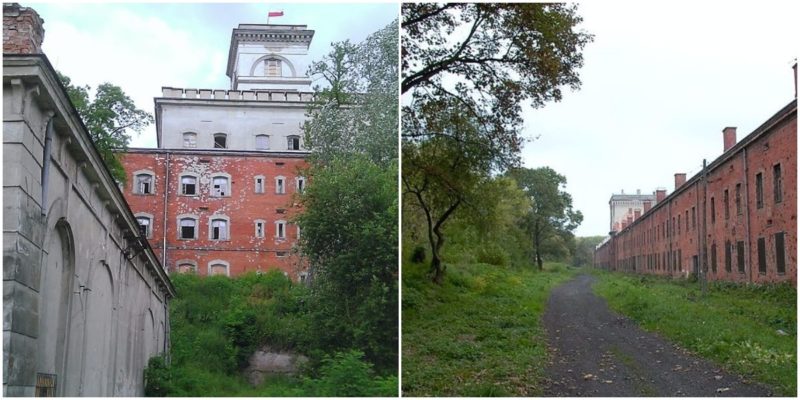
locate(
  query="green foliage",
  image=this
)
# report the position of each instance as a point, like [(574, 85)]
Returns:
[(347, 375), (157, 377), (478, 334), (584, 250), (108, 116), (735, 325)]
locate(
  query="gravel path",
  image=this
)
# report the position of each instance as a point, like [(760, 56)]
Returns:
[(596, 352)]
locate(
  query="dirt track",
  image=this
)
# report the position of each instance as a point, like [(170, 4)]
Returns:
[(596, 352)]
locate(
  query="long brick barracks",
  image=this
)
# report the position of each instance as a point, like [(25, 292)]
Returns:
[(736, 219)]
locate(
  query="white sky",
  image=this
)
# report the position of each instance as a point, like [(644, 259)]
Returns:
[(142, 47), (660, 82)]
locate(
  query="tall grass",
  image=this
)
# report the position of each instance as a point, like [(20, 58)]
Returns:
[(479, 333), (749, 329)]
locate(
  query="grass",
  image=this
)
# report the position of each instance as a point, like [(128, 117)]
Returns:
[(735, 325), (479, 333)]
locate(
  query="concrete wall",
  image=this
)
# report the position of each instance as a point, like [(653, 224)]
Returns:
[(669, 239), (74, 305), (242, 251)]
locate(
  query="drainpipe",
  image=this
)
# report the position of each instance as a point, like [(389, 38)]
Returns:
[(48, 143), (164, 238)]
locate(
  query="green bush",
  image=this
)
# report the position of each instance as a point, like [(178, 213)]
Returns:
[(157, 377), (418, 255)]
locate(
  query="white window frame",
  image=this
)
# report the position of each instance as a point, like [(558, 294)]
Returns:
[(262, 188), (149, 217), (300, 184), (224, 263), (266, 141), (214, 192), (180, 220), (196, 184), (190, 144), (137, 189), (280, 184), (290, 141), (225, 234), (263, 232), (280, 228)]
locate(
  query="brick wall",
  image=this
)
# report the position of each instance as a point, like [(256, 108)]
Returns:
[(242, 251), (22, 30), (668, 239)]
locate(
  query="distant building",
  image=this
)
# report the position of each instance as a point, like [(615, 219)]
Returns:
[(85, 300), (218, 194), (626, 208), (737, 219)]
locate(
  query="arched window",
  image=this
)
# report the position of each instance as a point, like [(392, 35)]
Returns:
[(188, 185), (145, 222), (220, 185), (280, 185), (186, 267), (219, 227), (293, 142), (143, 182), (220, 141), (262, 142), (187, 227), (189, 140), (219, 267), (280, 229)]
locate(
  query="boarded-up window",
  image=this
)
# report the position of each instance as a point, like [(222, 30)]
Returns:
[(726, 204), (738, 199), (218, 269), (740, 256), (728, 261), (780, 253), (186, 268), (762, 256), (759, 190), (190, 140), (777, 183), (714, 258), (713, 211), (273, 67), (262, 142)]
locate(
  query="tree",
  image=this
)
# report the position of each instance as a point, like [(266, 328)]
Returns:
[(468, 69), (108, 118), (551, 219), (584, 250), (349, 222), (356, 108)]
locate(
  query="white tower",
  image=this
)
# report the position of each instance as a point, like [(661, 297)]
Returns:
[(269, 57)]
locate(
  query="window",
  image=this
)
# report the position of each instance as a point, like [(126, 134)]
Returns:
[(738, 199), (725, 203), (680, 260), (143, 183), (219, 228), (762, 256), (144, 226), (280, 229), (728, 260), (777, 183), (259, 228), (780, 253), (218, 267), (686, 220), (188, 228), (293, 142), (740, 256), (301, 184), (280, 186), (190, 140), (298, 231), (272, 67), (186, 267), (713, 211), (679, 224), (220, 186), (714, 258), (759, 190), (259, 184), (188, 185), (220, 141), (694, 218), (262, 142)]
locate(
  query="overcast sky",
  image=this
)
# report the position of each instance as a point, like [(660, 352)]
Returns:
[(660, 82), (142, 47)]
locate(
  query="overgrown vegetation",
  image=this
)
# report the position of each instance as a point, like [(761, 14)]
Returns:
[(748, 329), (478, 334), (218, 322)]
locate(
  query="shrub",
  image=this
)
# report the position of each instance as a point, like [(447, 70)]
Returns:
[(418, 256), (157, 377)]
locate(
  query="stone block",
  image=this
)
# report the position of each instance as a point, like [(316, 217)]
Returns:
[(20, 309), (248, 95), (21, 260), (219, 94), (21, 365), (205, 93)]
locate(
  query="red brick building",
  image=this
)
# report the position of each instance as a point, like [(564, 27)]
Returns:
[(738, 218), (219, 193)]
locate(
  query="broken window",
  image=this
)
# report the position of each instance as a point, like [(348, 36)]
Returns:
[(220, 141), (301, 184), (262, 142), (190, 140), (144, 226), (293, 142), (777, 183), (259, 184), (219, 229), (188, 185), (220, 187), (780, 253), (280, 187), (280, 229), (188, 227), (759, 190), (144, 184), (259, 229)]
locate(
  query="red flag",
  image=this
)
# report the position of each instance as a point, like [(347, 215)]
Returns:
[(275, 14)]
